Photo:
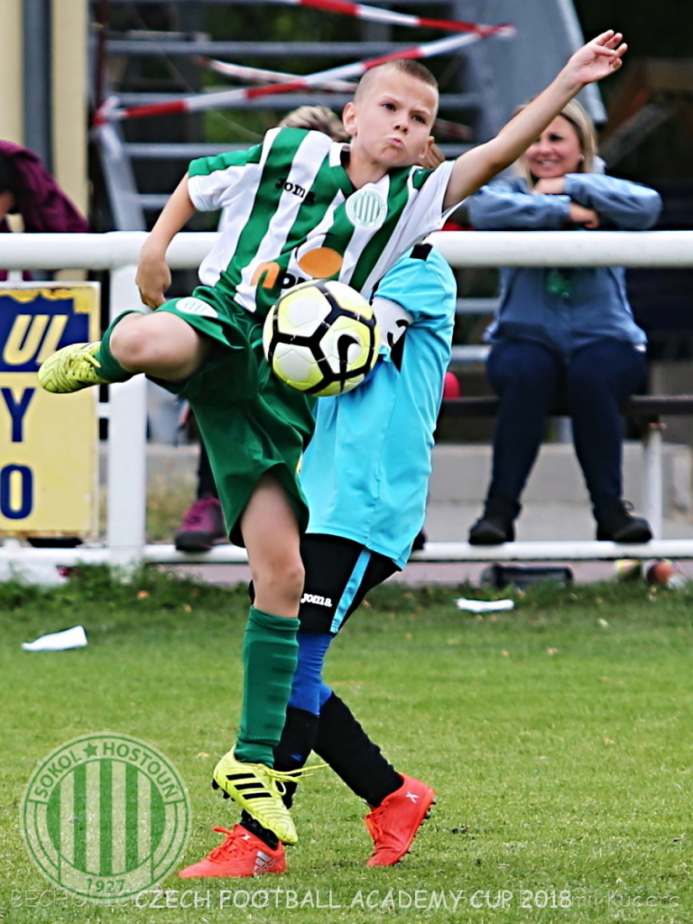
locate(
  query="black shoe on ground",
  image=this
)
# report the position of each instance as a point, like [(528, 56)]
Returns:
[(616, 523), (496, 524)]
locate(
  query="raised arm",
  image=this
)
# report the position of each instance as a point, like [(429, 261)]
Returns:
[(595, 60), (153, 275)]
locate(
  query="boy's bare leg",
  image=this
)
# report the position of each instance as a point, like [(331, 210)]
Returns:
[(161, 345), (272, 538), (270, 654)]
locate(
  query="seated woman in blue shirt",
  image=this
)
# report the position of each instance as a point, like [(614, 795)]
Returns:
[(565, 335)]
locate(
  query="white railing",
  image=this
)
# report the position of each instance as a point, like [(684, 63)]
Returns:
[(118, 252)]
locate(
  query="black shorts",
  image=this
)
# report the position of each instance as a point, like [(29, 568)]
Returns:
[(339, 574)]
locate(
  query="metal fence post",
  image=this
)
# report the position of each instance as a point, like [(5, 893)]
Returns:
[(653, 495), (127, 453)]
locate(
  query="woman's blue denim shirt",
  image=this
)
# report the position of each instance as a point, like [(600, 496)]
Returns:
[(594, 304)]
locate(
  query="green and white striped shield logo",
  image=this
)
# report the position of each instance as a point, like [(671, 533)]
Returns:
[(366, 209), (105, 816)]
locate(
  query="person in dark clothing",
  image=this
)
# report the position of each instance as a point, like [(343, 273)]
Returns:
[(28, 189)]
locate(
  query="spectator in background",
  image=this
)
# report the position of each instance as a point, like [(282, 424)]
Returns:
[(202, 525), (28, 189), (563, 335)]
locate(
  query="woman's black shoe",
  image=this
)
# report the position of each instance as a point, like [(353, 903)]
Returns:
[(617, 524), (496, 524)]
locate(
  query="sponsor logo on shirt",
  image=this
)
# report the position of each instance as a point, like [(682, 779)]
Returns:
[(366, 209), (295, 190), (318, 263), (192, 305), (316, 599)]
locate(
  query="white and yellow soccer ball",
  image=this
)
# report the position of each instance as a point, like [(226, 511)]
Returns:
[(321, 337)]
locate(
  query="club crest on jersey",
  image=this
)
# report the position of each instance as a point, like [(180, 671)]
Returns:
[(366, 209), (192, 305)]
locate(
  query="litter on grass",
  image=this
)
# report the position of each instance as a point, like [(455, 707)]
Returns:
[(75, 637), (484, 606)]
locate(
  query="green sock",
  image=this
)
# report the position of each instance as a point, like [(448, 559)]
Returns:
[(270, 655), (110, 368)]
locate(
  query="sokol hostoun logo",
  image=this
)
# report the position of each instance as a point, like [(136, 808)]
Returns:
[(366, 208), (105, 816)]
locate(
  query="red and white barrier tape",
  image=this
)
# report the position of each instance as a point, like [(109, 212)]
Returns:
[(227, 98), (241, 72), (376, 14), (260, 75)]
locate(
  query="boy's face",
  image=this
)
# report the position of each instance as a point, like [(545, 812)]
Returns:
[(390, 121)]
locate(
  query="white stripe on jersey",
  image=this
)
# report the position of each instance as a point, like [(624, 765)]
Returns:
[(422, 214), (306, 165), (233, 190)]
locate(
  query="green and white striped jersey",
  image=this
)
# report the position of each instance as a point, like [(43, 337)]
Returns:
[(291, 213)]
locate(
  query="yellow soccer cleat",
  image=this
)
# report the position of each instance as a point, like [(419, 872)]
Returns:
[(258, 789), (70, 369)]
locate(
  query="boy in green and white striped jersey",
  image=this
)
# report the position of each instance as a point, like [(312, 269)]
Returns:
[(300, 206)]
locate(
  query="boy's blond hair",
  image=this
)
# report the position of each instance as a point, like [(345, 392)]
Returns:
[(580, 119), (412, 68)]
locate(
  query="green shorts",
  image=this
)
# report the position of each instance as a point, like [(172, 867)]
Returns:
[(251, 423)]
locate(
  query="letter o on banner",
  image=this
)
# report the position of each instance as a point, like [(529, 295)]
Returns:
[(26, 492)]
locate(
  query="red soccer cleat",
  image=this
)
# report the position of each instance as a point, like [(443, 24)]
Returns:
[(395, 823), (241, 854)]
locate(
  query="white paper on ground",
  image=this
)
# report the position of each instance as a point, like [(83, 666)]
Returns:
[(75, 637), (484, 606)]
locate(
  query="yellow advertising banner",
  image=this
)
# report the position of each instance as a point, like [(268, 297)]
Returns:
[(48, 443)]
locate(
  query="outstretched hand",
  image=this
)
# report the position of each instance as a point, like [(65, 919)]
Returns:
[(598, 58)]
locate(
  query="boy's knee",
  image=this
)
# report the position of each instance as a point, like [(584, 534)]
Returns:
[(280, 580), (293, 577), (129, 342)]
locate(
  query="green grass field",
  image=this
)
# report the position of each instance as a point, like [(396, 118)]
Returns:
[(559, 738)]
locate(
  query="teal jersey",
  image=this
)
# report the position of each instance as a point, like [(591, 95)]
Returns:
[(291, 214), (365, 473)]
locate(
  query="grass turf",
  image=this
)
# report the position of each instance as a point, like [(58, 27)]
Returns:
[(558, 737)]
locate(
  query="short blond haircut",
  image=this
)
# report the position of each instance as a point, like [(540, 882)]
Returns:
[(408, 66), (578, 117)]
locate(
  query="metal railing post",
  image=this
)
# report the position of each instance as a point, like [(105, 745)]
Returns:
[(127, 448), (652, 490)]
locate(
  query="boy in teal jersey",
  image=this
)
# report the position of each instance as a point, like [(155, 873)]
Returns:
[(304, 207)]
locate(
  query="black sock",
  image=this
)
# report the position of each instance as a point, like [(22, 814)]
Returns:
[(343, 743), (251, 824), (296, 743)]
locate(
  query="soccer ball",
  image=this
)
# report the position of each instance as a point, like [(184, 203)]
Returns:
[(321, 337)]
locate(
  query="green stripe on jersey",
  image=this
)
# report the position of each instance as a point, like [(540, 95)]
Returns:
[(419, 177), (204, 166)]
